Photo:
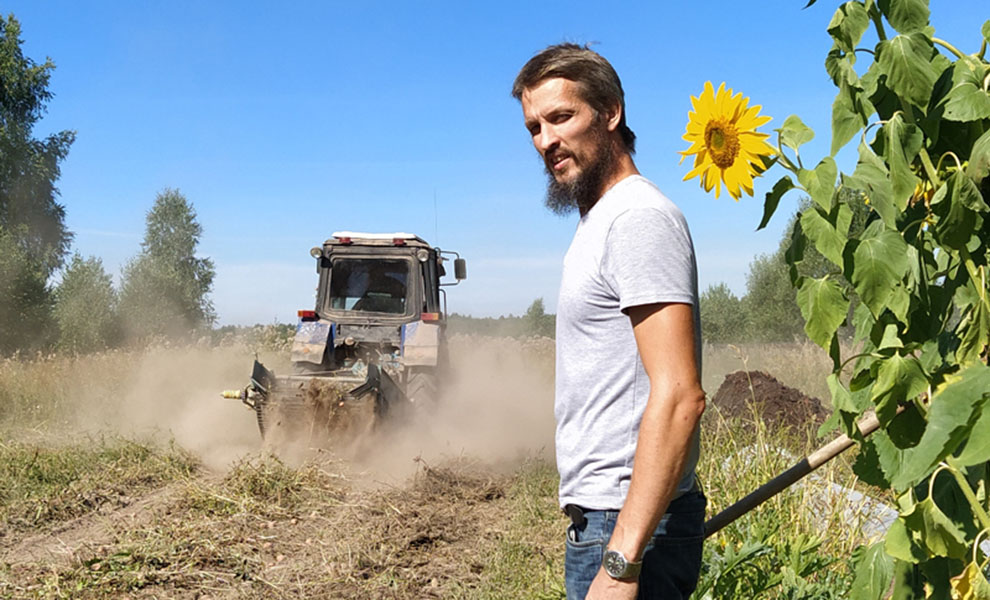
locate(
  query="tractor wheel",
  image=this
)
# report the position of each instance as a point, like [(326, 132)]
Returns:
[(421, 388)]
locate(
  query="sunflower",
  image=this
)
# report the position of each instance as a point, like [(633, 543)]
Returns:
[(724, 141)]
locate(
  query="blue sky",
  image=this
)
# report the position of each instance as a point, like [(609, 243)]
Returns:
[(283, 122)]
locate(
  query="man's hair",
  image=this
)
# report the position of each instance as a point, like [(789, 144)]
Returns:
[(598, 83)]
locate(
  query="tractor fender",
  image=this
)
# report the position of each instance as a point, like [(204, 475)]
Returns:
[(311, 341), (420, 344)]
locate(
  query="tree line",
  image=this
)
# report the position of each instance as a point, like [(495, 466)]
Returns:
[(51, 298)]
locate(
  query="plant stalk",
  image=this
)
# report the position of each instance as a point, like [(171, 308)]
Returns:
[(967, 491)]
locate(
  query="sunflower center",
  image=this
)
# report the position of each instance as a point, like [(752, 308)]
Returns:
[(722, 142)]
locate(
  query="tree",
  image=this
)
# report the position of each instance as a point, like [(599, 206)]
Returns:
[(85, 306), (722, 316), (771, 303), (32, 225), (536, 321), (165, 289)]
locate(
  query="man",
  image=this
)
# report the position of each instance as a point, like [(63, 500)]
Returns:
[(628, 390)]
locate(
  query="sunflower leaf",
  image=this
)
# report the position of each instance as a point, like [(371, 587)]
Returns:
[(780, 188), (880, 261), (900, 143), (848, 24), (820, 182), (871, 177), (899, 379), (953, 412), (830, 239), (824, 308), (906, 60), (794, 132), (906, 16), (979, 158), (851, 112), (966, 100), (874, 571)]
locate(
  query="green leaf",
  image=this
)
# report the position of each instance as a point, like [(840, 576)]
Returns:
[(906, 60), (899, 379), (977, 449), (901, 544), (953, 412), (820, 183), (851, 112), (863, 322), (780, 188), (874, 571), (839, 66), (974, 333), (848, 24), (829, 240), (900, 143), (824, 308), (935, 531), (956, 221), (871, 177), (880, 261), (906, 16), (985, 30), (962, 189), (967, 100), (794, 133), (979, 158)]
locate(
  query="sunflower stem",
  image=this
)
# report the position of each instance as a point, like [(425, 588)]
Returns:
[(967, 491), (983, 49), (926, 161), (877, 22), (948, 47)]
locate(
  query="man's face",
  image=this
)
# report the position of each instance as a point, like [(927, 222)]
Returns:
[(572, 138)]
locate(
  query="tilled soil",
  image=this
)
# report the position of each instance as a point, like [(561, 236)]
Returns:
[(745, 394), (256, 534)]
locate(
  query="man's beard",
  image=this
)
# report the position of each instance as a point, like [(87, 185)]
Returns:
[(583, 191)]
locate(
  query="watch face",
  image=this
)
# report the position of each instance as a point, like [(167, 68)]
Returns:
[(614, 563)]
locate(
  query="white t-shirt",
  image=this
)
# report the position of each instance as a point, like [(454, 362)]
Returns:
[(632, 248)]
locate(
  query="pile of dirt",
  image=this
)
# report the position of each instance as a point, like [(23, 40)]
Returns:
[(745, 394)]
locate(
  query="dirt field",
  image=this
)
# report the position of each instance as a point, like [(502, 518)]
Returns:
[(428, 509), (125, 475)]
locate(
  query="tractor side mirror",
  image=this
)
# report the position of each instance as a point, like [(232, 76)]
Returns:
[(460, 269)]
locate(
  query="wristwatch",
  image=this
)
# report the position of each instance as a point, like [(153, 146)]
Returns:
[(617, 567)]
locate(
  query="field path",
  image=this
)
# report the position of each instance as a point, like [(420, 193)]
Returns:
[(65, 541)]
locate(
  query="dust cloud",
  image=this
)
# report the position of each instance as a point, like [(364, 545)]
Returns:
[(174, 394), (496, 407)]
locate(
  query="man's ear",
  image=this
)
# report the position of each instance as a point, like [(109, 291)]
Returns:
[(614, 117)]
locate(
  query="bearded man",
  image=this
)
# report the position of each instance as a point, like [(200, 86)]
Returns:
[(628, 395)]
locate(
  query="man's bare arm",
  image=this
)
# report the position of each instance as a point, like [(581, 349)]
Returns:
[(666, 341)]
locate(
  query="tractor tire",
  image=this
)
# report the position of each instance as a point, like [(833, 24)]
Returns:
[(421, 389)]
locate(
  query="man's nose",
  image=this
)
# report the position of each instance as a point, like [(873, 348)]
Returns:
[(547, 140)]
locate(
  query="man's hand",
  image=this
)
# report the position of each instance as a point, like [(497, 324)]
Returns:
[(605, 588)]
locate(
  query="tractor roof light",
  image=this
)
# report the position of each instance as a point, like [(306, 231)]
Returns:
[(316, 252)]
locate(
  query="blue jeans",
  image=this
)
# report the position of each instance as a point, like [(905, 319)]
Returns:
[(671, 563)]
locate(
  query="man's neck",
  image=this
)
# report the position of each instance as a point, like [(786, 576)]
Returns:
[(624, 167)]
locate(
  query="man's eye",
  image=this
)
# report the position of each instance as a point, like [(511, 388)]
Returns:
[(561, 117), (534, 129)]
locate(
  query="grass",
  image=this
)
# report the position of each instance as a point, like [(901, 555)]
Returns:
[(460, 528), (40, 485)]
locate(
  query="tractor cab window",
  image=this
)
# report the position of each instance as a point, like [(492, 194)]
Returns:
[(369, 285)]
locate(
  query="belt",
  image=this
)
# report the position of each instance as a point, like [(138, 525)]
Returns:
[(576, 513)]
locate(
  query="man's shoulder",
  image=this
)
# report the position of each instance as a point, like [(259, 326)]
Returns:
[(636, 197)]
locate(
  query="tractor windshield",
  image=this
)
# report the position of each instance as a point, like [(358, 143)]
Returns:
[(369, 285)]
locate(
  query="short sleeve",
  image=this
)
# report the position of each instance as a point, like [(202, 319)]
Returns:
[(649, 258)]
